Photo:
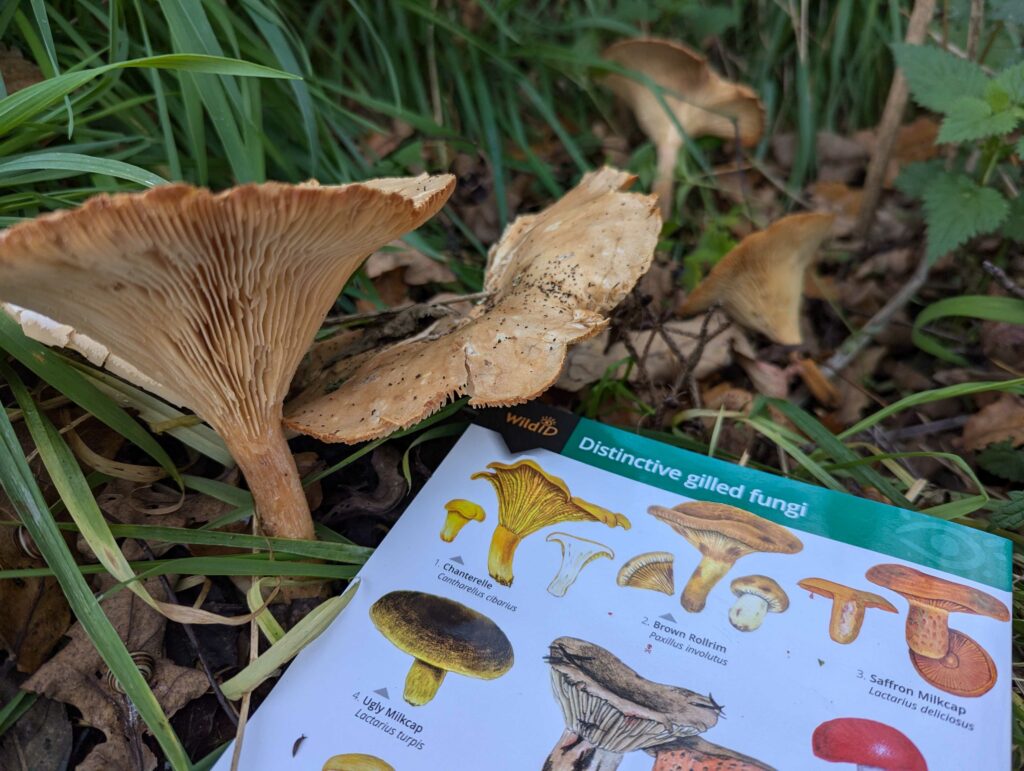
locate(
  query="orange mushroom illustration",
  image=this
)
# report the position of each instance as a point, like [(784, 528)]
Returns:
[(848, 607), (459, 513), (651, 570)]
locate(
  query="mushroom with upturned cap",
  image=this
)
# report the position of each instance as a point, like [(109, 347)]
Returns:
[(757, 595), (610, 710), (722, 534), (866, 743), (442, 636), (693, 753), (356, 761), (848, 607), (460, 512), (577, 553), (651, 570)]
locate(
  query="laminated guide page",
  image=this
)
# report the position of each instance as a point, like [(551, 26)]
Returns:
[(622, 603)]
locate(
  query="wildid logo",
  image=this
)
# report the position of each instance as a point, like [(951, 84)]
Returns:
[(546, 426), (529, 426)]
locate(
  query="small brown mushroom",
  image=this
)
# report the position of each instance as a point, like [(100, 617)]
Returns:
[(848, 607), (722, 534), (760, 282), (460, 512), (693, 753), (650, 570), (757, 595)]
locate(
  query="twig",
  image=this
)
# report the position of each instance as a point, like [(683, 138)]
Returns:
[(961, 53), (1003, 279), (468, 298), (974, 27), (243, 717)]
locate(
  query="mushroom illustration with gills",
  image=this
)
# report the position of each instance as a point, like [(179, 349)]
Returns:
[(722, 534), (946, 658), (868, 744), (442, 636), (214, 297), (610, 710), (848, 607), (699, 101), (757, 595), (529, 498), (693, 753), (650, 570), (760, 281), (460, 512), (577, 553), (356, 761)]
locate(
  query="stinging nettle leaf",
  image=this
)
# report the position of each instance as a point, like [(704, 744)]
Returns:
[(1009, 514), (956, 209), (971, 118), (1003, 460), (937, 78), (914, 178), (1011, 80), (1013, 228)]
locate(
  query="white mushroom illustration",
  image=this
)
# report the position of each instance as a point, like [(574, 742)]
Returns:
[(577, 553)]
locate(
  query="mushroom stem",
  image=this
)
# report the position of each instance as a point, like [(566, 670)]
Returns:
[(499, 559), (574, 753), (665, 174), (708, 573), (846, 620), (928, 630), (422, 682), (748, 612), (453, 524)]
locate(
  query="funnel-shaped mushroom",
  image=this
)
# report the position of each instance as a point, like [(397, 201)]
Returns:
[(550, 279), (757, 595), (722, 534), (442, 636), (577, 553), (215, 297), (650, 570), (459, 513), (610, 710), (866, 743), (693, 752), (848, 607), (759, 283), (529, 498), (356, 761), (946, 658), (700, 100)]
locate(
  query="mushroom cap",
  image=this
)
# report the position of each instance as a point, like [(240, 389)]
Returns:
[(726, 532), (966, 669), (760, 281), (833, 591), (356, 761), (466, 509), (552, 276), (866, 743), (585, 545), (650, 570), (764, 587), (443, 633), (937, 592), (693, 752), (702, 101)]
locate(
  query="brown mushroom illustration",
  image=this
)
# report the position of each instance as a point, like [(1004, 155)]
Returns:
[(757, 595), (442, 636), (760, 282), (356, 761), (650, 570), (699, 100), (529, 498), (577, 553), (459, 513), (867, 744), (946, 658), (722, 534), (610, 710), (848, 607), (215, 297), (693, 752)]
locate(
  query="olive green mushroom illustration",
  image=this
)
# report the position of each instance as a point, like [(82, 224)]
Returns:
[(529, 498), (610, 710), (577, 553), (442, 636), (651, 570), (722, 534), (944, 657), (757, 595), (356, 761), (460, 512), (848, 607), (693, 752)]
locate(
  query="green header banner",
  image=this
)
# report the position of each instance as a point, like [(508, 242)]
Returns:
[(890, 530)]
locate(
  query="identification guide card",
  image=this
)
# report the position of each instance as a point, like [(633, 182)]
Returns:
[(615, 602)]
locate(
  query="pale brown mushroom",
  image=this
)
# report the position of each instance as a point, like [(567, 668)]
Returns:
[(848, 607), (651, 570), (760, 282), (551, 278), (700, 100), (215, 297), (756, 595)]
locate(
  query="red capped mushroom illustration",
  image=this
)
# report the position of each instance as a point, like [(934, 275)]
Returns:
[(867, 744), (458, 513), (848, 607), (577, 553), (694, 752), (947, 658)]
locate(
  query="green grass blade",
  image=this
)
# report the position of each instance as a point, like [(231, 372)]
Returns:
[(77, 163), (1006, 309)]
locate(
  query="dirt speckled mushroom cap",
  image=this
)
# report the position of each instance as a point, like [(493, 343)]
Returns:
[(693, 752), (552, 277), (764, 587), (723, 530), (937, 592)]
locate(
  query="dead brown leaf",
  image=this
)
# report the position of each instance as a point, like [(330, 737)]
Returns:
[(853, 398), (914, 142), (1000, 421), (417, 268), (18, 71), (733, 437), (41, 739)]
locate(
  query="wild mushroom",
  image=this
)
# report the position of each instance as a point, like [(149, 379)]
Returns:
[(759, 283), (700, 101), (529, 498), (693, 752), (650, 570), (215, 297), (550, 279), (722, 534), (356, 761), (610, 710), (442, 636), (460, 512), (577, 553), (848, 607), (948, 659), (867, 743), (757, 595)]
